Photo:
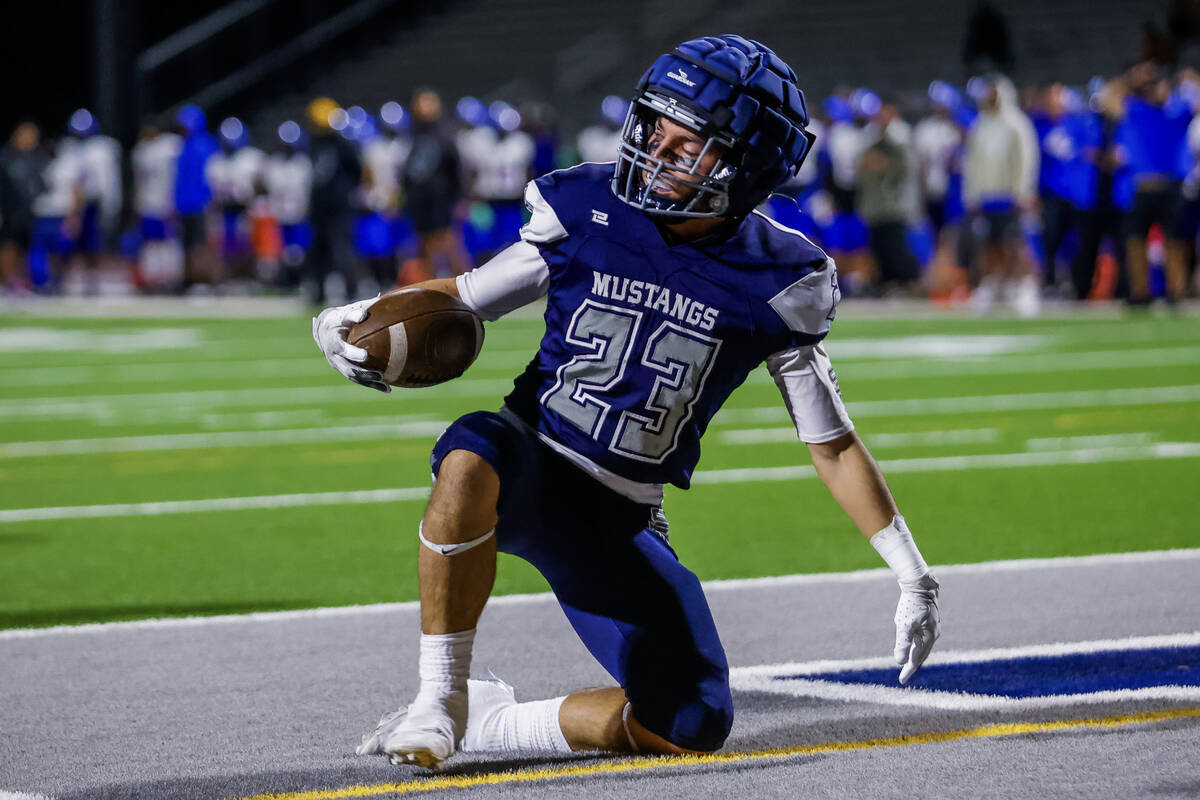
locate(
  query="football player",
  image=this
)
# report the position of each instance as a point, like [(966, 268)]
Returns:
[(664, 290)]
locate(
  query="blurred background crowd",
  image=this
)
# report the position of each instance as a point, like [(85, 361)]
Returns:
[(978, 191)]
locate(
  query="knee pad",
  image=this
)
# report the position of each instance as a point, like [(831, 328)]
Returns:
[(456, 548)]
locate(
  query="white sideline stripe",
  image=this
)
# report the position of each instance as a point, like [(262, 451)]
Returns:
[(748, 475), (1047, 650), (10, 795), (764, 677), (214, 504), (1095, 455), (980, 403), (714, 586), (954, 701), (192, 441), (951, 570), (788, 434)]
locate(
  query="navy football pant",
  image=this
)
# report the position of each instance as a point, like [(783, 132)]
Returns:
[(639, 611)]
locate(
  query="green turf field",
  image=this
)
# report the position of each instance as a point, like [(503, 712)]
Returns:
[(1000, 438)]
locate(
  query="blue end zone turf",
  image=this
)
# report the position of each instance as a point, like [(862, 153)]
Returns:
[(1042, 676)]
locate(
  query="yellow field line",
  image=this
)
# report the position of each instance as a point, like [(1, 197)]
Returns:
[(658, 763)]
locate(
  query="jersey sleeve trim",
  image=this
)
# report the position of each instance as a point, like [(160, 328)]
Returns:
[(809, 305), (806, 380), (544, 226), (515, 277)]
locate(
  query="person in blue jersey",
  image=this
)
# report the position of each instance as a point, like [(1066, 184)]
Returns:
[(1068, 137), (1151, 139), (193, 194), (664, 289)]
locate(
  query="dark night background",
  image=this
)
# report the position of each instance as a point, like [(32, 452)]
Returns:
[(50, 51), (55, 50)]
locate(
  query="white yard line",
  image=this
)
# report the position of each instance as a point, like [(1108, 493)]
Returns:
[(107, 404), (99, 405), (195, 441), (789, 678), (915, 438), (716, 586), (214, 504), (266, 419), (231, 368), (1163, 450), (398, 427), (1102, 440), (500, 358), (1094, 455), (1035, 401)]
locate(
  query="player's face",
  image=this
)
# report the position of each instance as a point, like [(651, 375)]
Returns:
[(682, 147)]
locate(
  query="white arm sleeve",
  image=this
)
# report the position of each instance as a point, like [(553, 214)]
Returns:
[(517, 275), (806, 379)]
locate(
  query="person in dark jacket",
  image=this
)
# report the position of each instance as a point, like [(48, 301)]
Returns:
[(22, 162), (337, 174), (433, 189)]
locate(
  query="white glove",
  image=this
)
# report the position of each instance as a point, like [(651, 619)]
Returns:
[(917, 624), (329, 331)]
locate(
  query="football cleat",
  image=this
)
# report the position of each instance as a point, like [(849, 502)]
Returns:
[(427, 735), (372, 743), (424, 736)]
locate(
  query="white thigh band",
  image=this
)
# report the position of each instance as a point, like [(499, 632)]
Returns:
[(453, 549)]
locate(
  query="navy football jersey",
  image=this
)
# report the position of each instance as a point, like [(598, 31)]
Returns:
[(645, 340)]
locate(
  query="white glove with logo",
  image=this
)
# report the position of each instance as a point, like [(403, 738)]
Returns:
[(917, 622), (918, 625), (329, 332)]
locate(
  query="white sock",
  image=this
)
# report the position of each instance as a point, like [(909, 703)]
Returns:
[(520, 727), (445, 665)]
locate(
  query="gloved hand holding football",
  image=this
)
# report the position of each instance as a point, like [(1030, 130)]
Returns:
[(411, 338)]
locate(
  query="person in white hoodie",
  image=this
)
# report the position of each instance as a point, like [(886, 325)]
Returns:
[(1000, 174)]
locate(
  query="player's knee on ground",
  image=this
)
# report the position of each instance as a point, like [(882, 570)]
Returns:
[(699, 723), (698, 727)]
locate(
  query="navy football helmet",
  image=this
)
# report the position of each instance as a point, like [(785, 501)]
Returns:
[(737, 95)]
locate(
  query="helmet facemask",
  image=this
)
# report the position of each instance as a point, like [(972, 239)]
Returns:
[(638, 170)]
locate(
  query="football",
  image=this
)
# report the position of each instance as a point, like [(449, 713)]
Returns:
[(418, 337)]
